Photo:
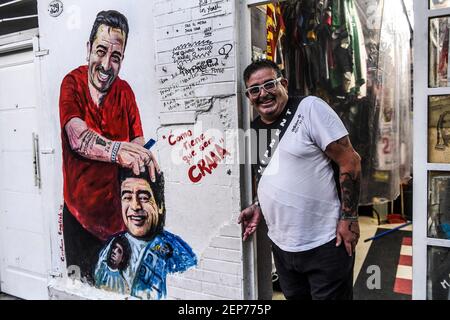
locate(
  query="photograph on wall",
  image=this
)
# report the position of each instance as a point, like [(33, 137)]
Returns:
[(439, 4), (438, 275), (114, 207), (438, 52), (438, 224), (439, 129)]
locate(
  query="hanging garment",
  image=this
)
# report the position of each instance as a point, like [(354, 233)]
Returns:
[(271, 30), (358, 47), (349, 40), (275, 32), (333, 51), (393, 97)]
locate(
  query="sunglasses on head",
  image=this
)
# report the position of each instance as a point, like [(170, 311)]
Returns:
[(269, 86)]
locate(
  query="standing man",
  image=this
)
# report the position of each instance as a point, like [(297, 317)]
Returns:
[(101, 130), (313, 234)]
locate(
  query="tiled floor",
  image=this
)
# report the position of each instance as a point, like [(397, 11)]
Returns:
[(368, 228)]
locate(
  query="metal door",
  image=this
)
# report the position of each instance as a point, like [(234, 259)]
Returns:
[(23, 244)]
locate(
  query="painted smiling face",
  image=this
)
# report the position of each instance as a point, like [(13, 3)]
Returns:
[(139, 209), (105, 57), (268, 103)]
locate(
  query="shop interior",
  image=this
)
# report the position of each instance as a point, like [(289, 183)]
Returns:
[(357, 55)]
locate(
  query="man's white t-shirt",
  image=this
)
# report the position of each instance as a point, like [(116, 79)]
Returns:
[(297, 191)]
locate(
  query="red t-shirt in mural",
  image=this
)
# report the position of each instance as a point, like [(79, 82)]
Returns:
[(91, 188)]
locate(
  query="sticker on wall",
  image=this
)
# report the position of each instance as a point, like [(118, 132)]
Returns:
[(114, 207), (55, 8)]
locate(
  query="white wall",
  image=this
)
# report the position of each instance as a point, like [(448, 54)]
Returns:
[(204, 214), (196, 70)]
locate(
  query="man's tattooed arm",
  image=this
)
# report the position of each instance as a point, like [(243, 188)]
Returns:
[(349, 162), (91, 145), (350, 185)]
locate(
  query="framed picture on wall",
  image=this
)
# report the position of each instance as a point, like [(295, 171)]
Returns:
[(438, 273), (439, 129)]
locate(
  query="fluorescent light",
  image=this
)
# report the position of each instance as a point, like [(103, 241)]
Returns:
[(18, 18), (8, 3)]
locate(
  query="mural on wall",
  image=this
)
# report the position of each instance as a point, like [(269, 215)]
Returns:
[(113, 223), (138, 260)]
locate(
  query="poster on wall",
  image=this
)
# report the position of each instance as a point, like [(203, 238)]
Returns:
[(439, 129), (438, 273), (114, 206), (438, 223)]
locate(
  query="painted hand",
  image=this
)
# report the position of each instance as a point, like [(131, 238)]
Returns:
[(136, 157), (347, 231), (250, 218)]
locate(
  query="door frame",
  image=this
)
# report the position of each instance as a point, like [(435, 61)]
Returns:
[(243, 38), (244, 50)]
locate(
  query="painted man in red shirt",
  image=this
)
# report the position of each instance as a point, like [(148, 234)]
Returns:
[(101, 130)]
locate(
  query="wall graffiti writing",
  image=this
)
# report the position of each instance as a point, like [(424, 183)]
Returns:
[(60, 222), (173, 140), (208, 7), (196, 104), (181, 84), (171, 105), (196, 64), (225, 50), (181, 92), (208, 164), (197, 26), (208, 32), (62, 255), (200, 67), (202, 153), (191, 51)]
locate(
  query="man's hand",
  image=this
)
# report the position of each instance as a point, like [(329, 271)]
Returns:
[(347, 231), (250, 218), (135, 157)]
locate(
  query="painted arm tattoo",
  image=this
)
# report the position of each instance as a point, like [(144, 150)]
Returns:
[(90, 144)]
